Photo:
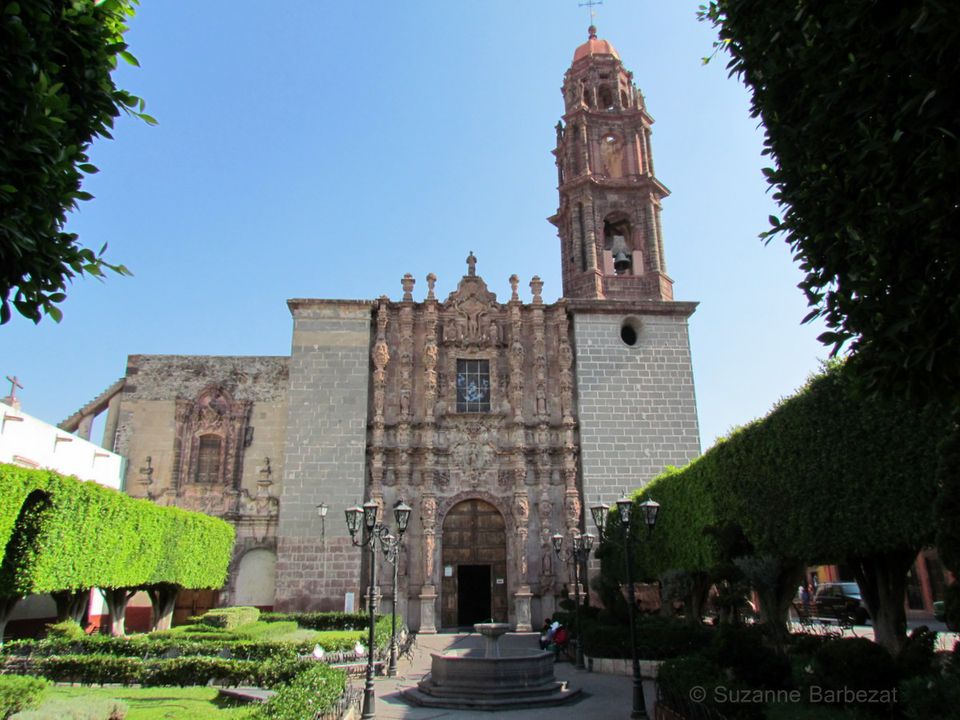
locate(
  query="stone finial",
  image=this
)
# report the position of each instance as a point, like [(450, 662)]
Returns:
[(431, 281), (471, 264), (536, 287), (514, 282), (407, 282)]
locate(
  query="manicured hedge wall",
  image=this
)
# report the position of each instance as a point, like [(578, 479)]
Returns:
[(81, 535)]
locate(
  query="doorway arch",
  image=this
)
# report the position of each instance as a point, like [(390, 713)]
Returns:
[(473, 585)]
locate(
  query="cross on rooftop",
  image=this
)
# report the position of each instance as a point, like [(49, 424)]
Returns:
[(590, 4), (14, 384)]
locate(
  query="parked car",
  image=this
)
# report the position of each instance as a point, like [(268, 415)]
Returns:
[(842, 598)]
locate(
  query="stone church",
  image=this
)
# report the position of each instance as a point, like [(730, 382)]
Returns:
[(497, 421)]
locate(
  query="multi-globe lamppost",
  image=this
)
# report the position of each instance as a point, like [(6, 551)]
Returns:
[(582, 545), (375, 535), (628, 525)]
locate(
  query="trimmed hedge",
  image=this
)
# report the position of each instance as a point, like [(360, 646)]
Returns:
[(18, 692), (321, 620), (230, 618), (74, 535), (310, 694)]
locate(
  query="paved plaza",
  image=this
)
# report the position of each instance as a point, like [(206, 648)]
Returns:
[(604, 697)]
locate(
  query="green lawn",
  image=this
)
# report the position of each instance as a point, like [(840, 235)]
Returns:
[(196, 703)]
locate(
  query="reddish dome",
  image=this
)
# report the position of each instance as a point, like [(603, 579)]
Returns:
[(593, 46)]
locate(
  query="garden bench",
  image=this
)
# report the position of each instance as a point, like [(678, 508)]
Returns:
[(821, 618)]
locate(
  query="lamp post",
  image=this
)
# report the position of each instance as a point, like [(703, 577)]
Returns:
[(391, 551), (649, 510), (582, 545), (374, 534)]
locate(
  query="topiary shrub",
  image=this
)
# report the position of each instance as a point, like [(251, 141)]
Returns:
[(66, 630), (229, 618), (90, 669), (658, 638), (20, 693), (696, 687), (848, 665), (745, 652), (311, 693)]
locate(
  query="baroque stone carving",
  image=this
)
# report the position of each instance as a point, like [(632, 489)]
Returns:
[(222, 421)]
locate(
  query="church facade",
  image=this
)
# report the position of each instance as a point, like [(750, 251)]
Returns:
[(498, 421)]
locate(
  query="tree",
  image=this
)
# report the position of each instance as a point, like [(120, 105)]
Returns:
[(56, 96), (833, 475), (858, 101)]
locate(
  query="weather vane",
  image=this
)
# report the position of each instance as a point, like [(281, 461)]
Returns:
[(593, 13)]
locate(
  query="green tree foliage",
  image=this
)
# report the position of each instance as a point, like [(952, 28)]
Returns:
[(832, 475), (858, 101), (56, 96), (78, 535)]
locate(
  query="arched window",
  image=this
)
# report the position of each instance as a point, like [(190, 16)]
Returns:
[(208, 459), (605, 97)]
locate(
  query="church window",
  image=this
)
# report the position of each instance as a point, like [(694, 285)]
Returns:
[(473, 386), (208, 459)]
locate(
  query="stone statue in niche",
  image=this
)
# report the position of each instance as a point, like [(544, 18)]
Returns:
[(494, 333)]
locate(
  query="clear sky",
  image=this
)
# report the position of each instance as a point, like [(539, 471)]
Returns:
[(312, 148)]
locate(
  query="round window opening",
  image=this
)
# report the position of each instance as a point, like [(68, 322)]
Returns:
[(630, 331)]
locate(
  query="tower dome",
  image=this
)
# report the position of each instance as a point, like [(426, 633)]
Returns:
[(594, 46)]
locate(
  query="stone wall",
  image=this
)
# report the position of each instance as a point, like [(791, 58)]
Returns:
[(636, 404), (325, 453)]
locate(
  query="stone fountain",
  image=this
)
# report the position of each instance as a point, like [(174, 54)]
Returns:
[(493, 678)]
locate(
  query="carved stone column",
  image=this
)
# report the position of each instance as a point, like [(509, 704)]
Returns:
[(428, 591), (521, 516)]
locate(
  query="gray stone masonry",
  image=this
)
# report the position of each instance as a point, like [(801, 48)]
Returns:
[(325, 453), (636, 404)]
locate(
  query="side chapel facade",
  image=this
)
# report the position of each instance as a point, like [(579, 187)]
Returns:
[(498, 422)]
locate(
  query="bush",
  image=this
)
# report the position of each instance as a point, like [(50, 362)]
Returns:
[(321, 621), (951, 607), (19, 693), (311, 693), (66, 630), (229, 618), (930, 698), (89, 708), (917, 655), (90, 669), (658, 638), (187, 671), (852, 664), (744, 651), (679, 676)]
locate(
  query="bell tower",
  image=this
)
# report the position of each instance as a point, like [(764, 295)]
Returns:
[(609, 215)]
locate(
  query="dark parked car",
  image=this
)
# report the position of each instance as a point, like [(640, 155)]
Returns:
[(842, 598)]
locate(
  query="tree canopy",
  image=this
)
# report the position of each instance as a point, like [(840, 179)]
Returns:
[(56, 96), (858, 101)]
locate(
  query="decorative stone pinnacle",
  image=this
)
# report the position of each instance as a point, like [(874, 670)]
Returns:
[(514, 282), (431, 281), (536, 287), (407, 282)]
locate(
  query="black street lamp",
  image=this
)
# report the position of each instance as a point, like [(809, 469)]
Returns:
[(374, 534), (649, 510), (582, 545)]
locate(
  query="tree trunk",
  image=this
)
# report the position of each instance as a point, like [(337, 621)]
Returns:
[(6, 608), (697, 599), (71, 604), (117, 599), (775, 601), (883, 582), (163, 599)]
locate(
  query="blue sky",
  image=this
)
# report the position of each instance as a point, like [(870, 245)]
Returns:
[(318, 149)]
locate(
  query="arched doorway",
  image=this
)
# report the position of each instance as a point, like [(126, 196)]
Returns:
[(474, 565)]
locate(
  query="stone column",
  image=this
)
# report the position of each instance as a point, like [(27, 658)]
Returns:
[(428, 591), (521, 515)]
